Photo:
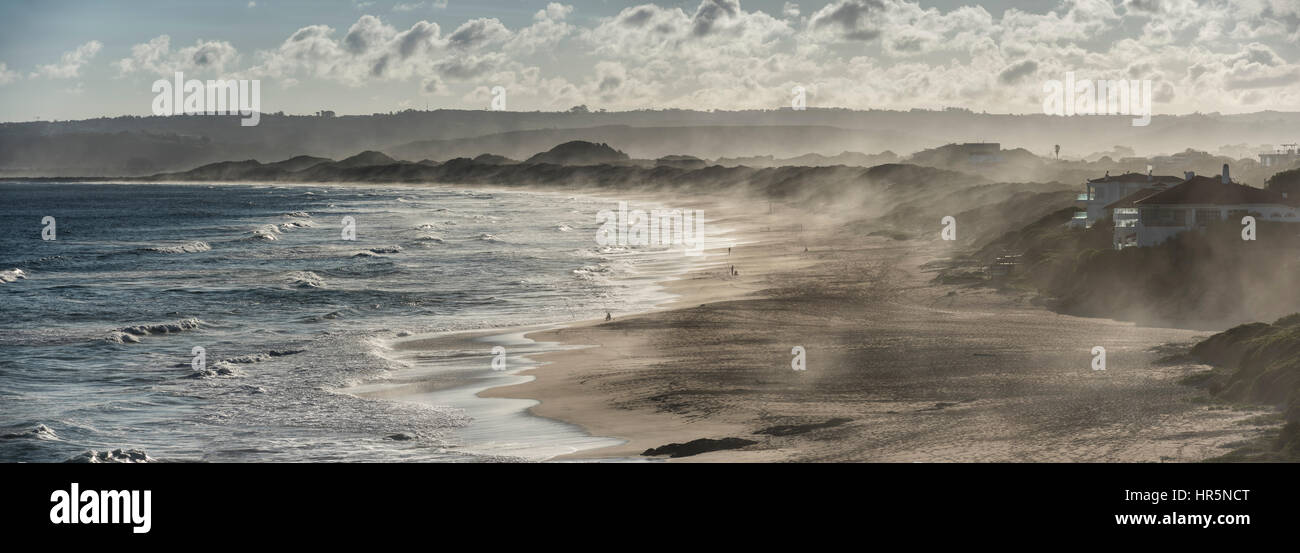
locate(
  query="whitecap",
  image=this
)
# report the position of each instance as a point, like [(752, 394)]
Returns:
[(305, 279), (115, 456), (293, 225), (187, 247), (39, 432), (220, 369), (265, 233), (120, 337), (12, 275), (126, 335)]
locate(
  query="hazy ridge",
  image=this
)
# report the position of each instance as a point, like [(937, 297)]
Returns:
[(133, 146)]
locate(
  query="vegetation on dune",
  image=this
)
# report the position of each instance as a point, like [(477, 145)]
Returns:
[(1260, 363), (1211, 277), (1208, 277)]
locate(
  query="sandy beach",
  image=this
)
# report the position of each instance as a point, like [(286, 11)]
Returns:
[(898, 368)]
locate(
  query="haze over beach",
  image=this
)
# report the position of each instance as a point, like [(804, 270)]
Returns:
[(844, 231)]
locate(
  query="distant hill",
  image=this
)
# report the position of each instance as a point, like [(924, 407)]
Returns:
[(130, 146), (236, 170), (298, 163), (366, 159), (579, 152), (814, 160), (493, 159), (651, 142), (821, 186), (681, 162)]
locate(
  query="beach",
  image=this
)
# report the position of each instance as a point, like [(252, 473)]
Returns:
[(898, 368)]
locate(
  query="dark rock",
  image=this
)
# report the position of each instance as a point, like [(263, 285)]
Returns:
[(696, 447)]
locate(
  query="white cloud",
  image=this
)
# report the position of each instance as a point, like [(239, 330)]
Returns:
[(850, 19), (1215, 55), (7, 76), (157, 58), (547, 30), (70, 64)]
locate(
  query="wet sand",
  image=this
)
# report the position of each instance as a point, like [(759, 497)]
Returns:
[(899, 369)]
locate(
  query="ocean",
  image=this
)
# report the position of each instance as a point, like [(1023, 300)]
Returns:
[(99, 327)]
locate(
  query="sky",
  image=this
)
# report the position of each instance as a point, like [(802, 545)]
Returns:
[(62, 59)]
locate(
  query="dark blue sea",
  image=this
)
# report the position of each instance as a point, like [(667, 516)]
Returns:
[(99, 327)]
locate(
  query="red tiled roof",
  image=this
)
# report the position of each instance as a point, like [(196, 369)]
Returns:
[(1136, 177), (1128, 201), (1212, 191)]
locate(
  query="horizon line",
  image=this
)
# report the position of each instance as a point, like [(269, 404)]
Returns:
[(957, 110)]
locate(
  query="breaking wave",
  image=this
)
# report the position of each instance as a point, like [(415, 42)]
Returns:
[(115, 456), (187, 247), (132, 334), (265, 233), (305, 279), (39, 432), (12, 275)]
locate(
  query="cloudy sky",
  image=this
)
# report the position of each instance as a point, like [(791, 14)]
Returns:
[(70, 60)]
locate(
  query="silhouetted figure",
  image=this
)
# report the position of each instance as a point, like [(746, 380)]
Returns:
[(608, 317)]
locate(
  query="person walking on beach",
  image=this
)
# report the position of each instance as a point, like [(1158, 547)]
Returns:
[(608, 316)]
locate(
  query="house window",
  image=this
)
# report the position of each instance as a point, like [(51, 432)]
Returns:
[(1125, 217), (1204, 217), (1164, 217)]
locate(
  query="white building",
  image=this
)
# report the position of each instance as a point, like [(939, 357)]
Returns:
[(1284, 156), (1124, 214), (1099, 193), (1200, 201)]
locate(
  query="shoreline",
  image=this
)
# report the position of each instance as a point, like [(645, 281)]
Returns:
[(449, 368), (641, 430)]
